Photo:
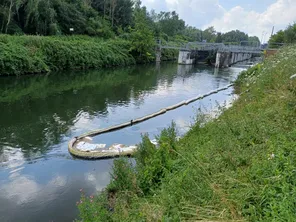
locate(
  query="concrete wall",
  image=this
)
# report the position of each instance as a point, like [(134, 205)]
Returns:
[(158, 55), (223, 59), (226, 59), (184, 58)]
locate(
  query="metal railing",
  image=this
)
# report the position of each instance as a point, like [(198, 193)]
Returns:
[(220, 47), (242, 49)]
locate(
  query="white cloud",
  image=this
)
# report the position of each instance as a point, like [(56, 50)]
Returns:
[(205, 13), (99, 180), (23, 189), (278, 14), (194, 12)]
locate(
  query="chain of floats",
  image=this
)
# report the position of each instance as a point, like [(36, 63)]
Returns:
[(142, 119)]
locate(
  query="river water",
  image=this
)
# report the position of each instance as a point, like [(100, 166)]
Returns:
[(39, 179)]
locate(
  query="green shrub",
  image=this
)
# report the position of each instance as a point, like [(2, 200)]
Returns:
[(152, 164), (94, 208), (36, 54), (122, 176), (16, 59)]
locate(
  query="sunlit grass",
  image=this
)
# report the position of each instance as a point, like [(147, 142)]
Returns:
[(38, 54)]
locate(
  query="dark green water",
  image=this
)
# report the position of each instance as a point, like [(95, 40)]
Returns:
[(39, 180)]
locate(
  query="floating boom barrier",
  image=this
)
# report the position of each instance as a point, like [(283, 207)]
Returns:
[(82, 147)]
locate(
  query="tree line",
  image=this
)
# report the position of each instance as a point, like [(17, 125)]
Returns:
[(103, 18), (131, 25), (54, 17), (284, 36)]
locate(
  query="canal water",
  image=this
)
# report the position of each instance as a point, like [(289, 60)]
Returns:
[(39, 179)]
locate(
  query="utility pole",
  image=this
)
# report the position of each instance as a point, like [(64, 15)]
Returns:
[(272, 31)]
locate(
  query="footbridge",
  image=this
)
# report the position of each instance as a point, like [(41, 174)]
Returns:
[(222, 54)]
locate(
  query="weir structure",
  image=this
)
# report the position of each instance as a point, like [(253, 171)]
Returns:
[(222, 54)]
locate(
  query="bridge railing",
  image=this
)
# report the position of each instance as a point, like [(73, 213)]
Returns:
[(204, 46), (237, 48), (170, 45)]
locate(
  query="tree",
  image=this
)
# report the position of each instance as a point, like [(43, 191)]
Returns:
[(235, 36), (254, 40), (142, 38), (124, 14), (47, 17), (9, 15), (8, 9), (284, 36), (192, 34), (118, 12), (209, 34), (279, 37), (219, 38), (170, 23), (290, 34)]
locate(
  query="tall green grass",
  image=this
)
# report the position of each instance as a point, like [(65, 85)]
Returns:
[(240, 166), (38, 54)]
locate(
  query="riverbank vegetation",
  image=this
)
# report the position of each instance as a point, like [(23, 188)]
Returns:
[(35, 54), (240, 166), (42, 36), (287, 36)]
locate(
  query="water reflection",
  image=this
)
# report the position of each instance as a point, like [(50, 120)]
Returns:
[(49, 189), (39, 114), (37, 110)]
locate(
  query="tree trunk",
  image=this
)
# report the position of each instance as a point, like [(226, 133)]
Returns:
[(105, 9), (110, 9), (2, 26), (9, 16), (113, 10)]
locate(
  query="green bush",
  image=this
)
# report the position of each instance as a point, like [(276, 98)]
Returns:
[(122, 176), (16, 60), (153, 163), (169, 54), (36, 54), (94, 208)]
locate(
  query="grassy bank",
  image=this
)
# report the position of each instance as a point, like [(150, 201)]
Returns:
[(241, 166), (39, 54)]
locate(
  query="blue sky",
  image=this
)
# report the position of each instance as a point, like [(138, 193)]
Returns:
[(258, 5), (255, 17)]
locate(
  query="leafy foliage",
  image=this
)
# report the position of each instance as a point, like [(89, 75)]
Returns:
[(284, 36), (209, 34), (170, 23), (142, 38), (34, 54), (153, 164), (94, 208), (235, 36), (54, 17)]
